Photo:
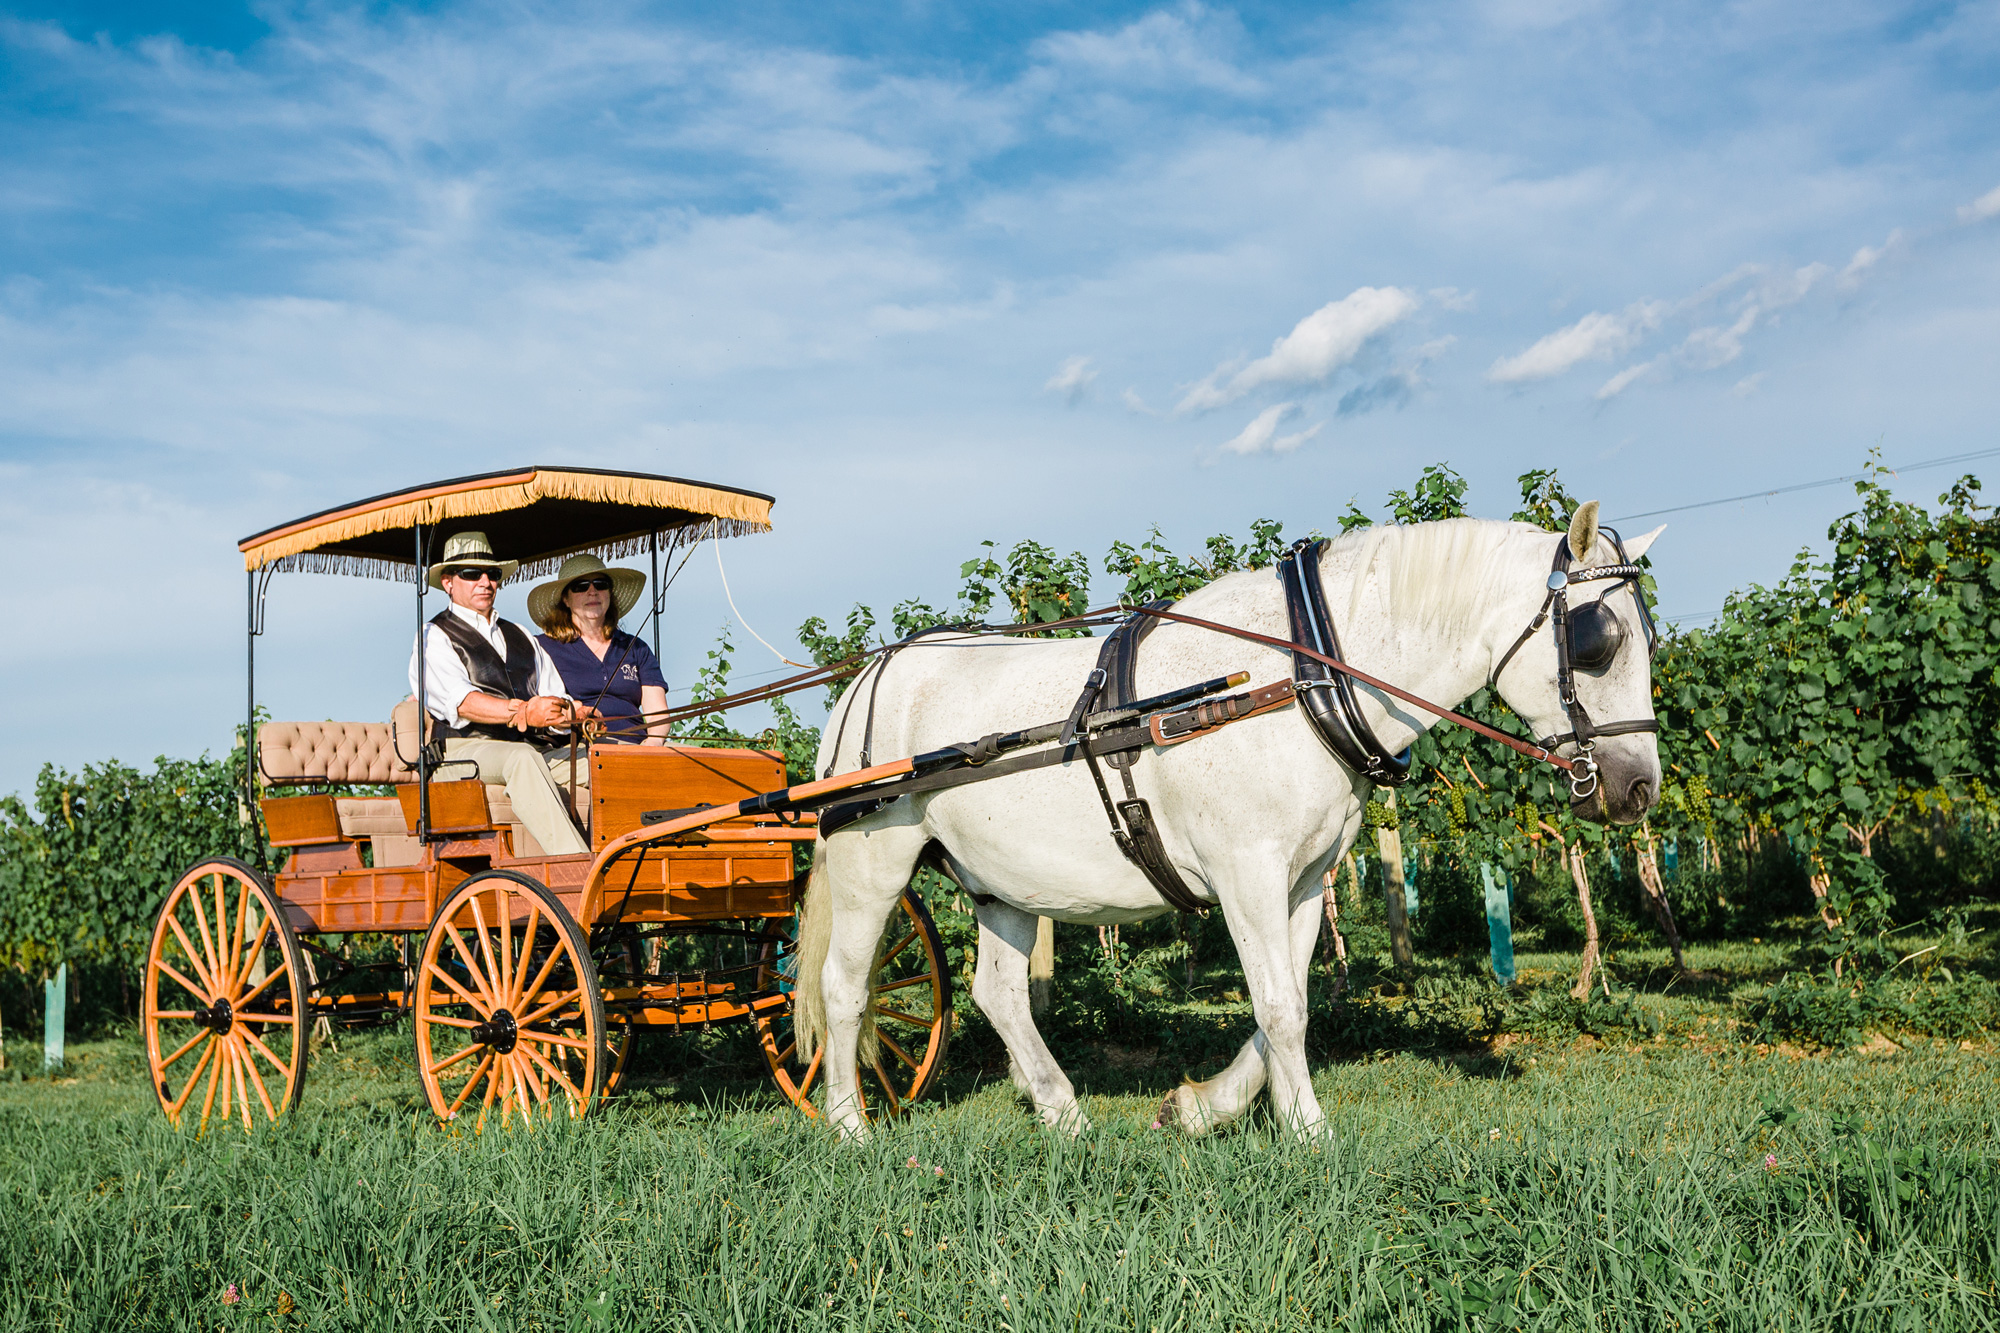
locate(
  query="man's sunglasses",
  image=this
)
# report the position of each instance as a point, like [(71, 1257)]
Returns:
[(474, 573), (601, 583)]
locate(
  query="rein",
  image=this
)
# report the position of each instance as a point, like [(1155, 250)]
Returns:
[(849, 666), (1528, 748)]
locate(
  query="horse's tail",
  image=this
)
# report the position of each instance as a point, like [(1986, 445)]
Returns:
[(815, 938)]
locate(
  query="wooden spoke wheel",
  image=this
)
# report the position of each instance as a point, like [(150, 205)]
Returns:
[(509, 1017), (912, 997), (224, 1000)]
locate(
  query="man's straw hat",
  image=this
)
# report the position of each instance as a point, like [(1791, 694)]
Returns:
[(470, 548), (627, 586)]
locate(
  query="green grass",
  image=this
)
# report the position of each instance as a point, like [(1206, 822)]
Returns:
[(1626, 1186)]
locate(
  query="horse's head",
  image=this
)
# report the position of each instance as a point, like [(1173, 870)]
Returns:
[(1584, 675)]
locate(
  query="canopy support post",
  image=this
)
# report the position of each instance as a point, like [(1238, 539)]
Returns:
[(423, 706), (250, 709), (653, 540)]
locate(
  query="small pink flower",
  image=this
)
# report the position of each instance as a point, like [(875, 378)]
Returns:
[(937, 1171), (230, 1295), (912, 1162), (1770, 1161)]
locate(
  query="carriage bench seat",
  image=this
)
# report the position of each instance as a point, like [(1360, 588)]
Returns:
[(337, 753)]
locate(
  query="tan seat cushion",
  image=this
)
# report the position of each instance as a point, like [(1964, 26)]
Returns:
[(378, 816)]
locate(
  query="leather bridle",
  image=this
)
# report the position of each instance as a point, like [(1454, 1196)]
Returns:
[(1590, 637)]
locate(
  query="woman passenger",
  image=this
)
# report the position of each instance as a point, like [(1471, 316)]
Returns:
[(579, 611)]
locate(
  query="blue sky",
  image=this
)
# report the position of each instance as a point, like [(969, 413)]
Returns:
[(935, 274)]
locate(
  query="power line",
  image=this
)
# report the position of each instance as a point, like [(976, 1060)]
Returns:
[(1809, 485)]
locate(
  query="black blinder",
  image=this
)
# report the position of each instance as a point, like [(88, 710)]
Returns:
[(1595, 635)]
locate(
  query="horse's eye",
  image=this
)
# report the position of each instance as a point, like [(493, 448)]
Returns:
[(1595, 633)]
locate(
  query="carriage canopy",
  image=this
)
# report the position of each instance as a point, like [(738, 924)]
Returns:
[(536, 515)]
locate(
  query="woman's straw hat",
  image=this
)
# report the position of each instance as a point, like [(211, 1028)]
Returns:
[(470, 548), (627, 585)]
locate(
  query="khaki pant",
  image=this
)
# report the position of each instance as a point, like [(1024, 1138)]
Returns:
[(534, 785)]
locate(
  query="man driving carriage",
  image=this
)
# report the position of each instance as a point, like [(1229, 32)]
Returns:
[(498, 699)]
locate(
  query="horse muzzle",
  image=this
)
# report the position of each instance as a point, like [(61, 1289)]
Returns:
[(1625, 785)]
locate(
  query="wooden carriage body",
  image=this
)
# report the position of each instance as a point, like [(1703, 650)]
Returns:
[(357, 864), (526, 976)]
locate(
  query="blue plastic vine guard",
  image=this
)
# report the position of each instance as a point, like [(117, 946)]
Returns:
[(1499, 922), (55, 994)]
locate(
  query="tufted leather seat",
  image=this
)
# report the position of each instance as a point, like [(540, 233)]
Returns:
[(371, 752), (330, 752)]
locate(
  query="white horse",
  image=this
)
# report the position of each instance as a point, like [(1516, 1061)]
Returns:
[(1252, 814)]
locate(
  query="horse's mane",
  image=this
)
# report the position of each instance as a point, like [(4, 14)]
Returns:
[(1438, 574), (1435, 575)]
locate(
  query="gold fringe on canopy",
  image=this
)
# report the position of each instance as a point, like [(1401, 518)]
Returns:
[(691, 509), (374, 567)]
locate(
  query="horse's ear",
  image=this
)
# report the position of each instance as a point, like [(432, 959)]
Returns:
[(1583, 531), (1638, 546)]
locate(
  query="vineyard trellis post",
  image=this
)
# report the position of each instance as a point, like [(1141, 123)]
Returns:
[(1389, 841)]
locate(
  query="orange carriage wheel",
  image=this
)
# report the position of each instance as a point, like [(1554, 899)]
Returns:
[(223, 1003), (912, 989), (510, 1020)]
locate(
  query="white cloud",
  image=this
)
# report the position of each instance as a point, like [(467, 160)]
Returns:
[(1318, 345), (1161, 50), (1622, 381), (1713, 346), (1985, 206), (1261, 435), (1073, 381), (1867, 257), (1595, 337), (1133, 401), (1749, 384), (1786, 289), (1599, 337)]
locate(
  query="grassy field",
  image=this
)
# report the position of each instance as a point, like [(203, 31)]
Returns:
[(1645, 1164)]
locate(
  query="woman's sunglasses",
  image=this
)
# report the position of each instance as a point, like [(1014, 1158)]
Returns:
[(600, 583), (474, 573)]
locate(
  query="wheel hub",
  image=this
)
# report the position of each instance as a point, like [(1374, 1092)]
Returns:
[(218, 1018), (499, 1032)]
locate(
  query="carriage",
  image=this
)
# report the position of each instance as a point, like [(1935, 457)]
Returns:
[(527, 977)]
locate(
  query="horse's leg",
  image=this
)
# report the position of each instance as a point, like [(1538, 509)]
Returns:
[(865, 873), (1000, 987), (1276, 1056)]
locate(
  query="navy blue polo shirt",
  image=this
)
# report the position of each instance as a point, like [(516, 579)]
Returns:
[(611, 685)]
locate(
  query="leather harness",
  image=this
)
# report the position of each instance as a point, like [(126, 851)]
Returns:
[(1571, 651), (1319, 678), (1329, 702), (1132, 825)]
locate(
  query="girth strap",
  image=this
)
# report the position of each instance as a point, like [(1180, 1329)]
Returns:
[(1112, 684)]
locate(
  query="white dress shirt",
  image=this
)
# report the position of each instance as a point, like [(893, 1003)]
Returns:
[(446, 681)]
